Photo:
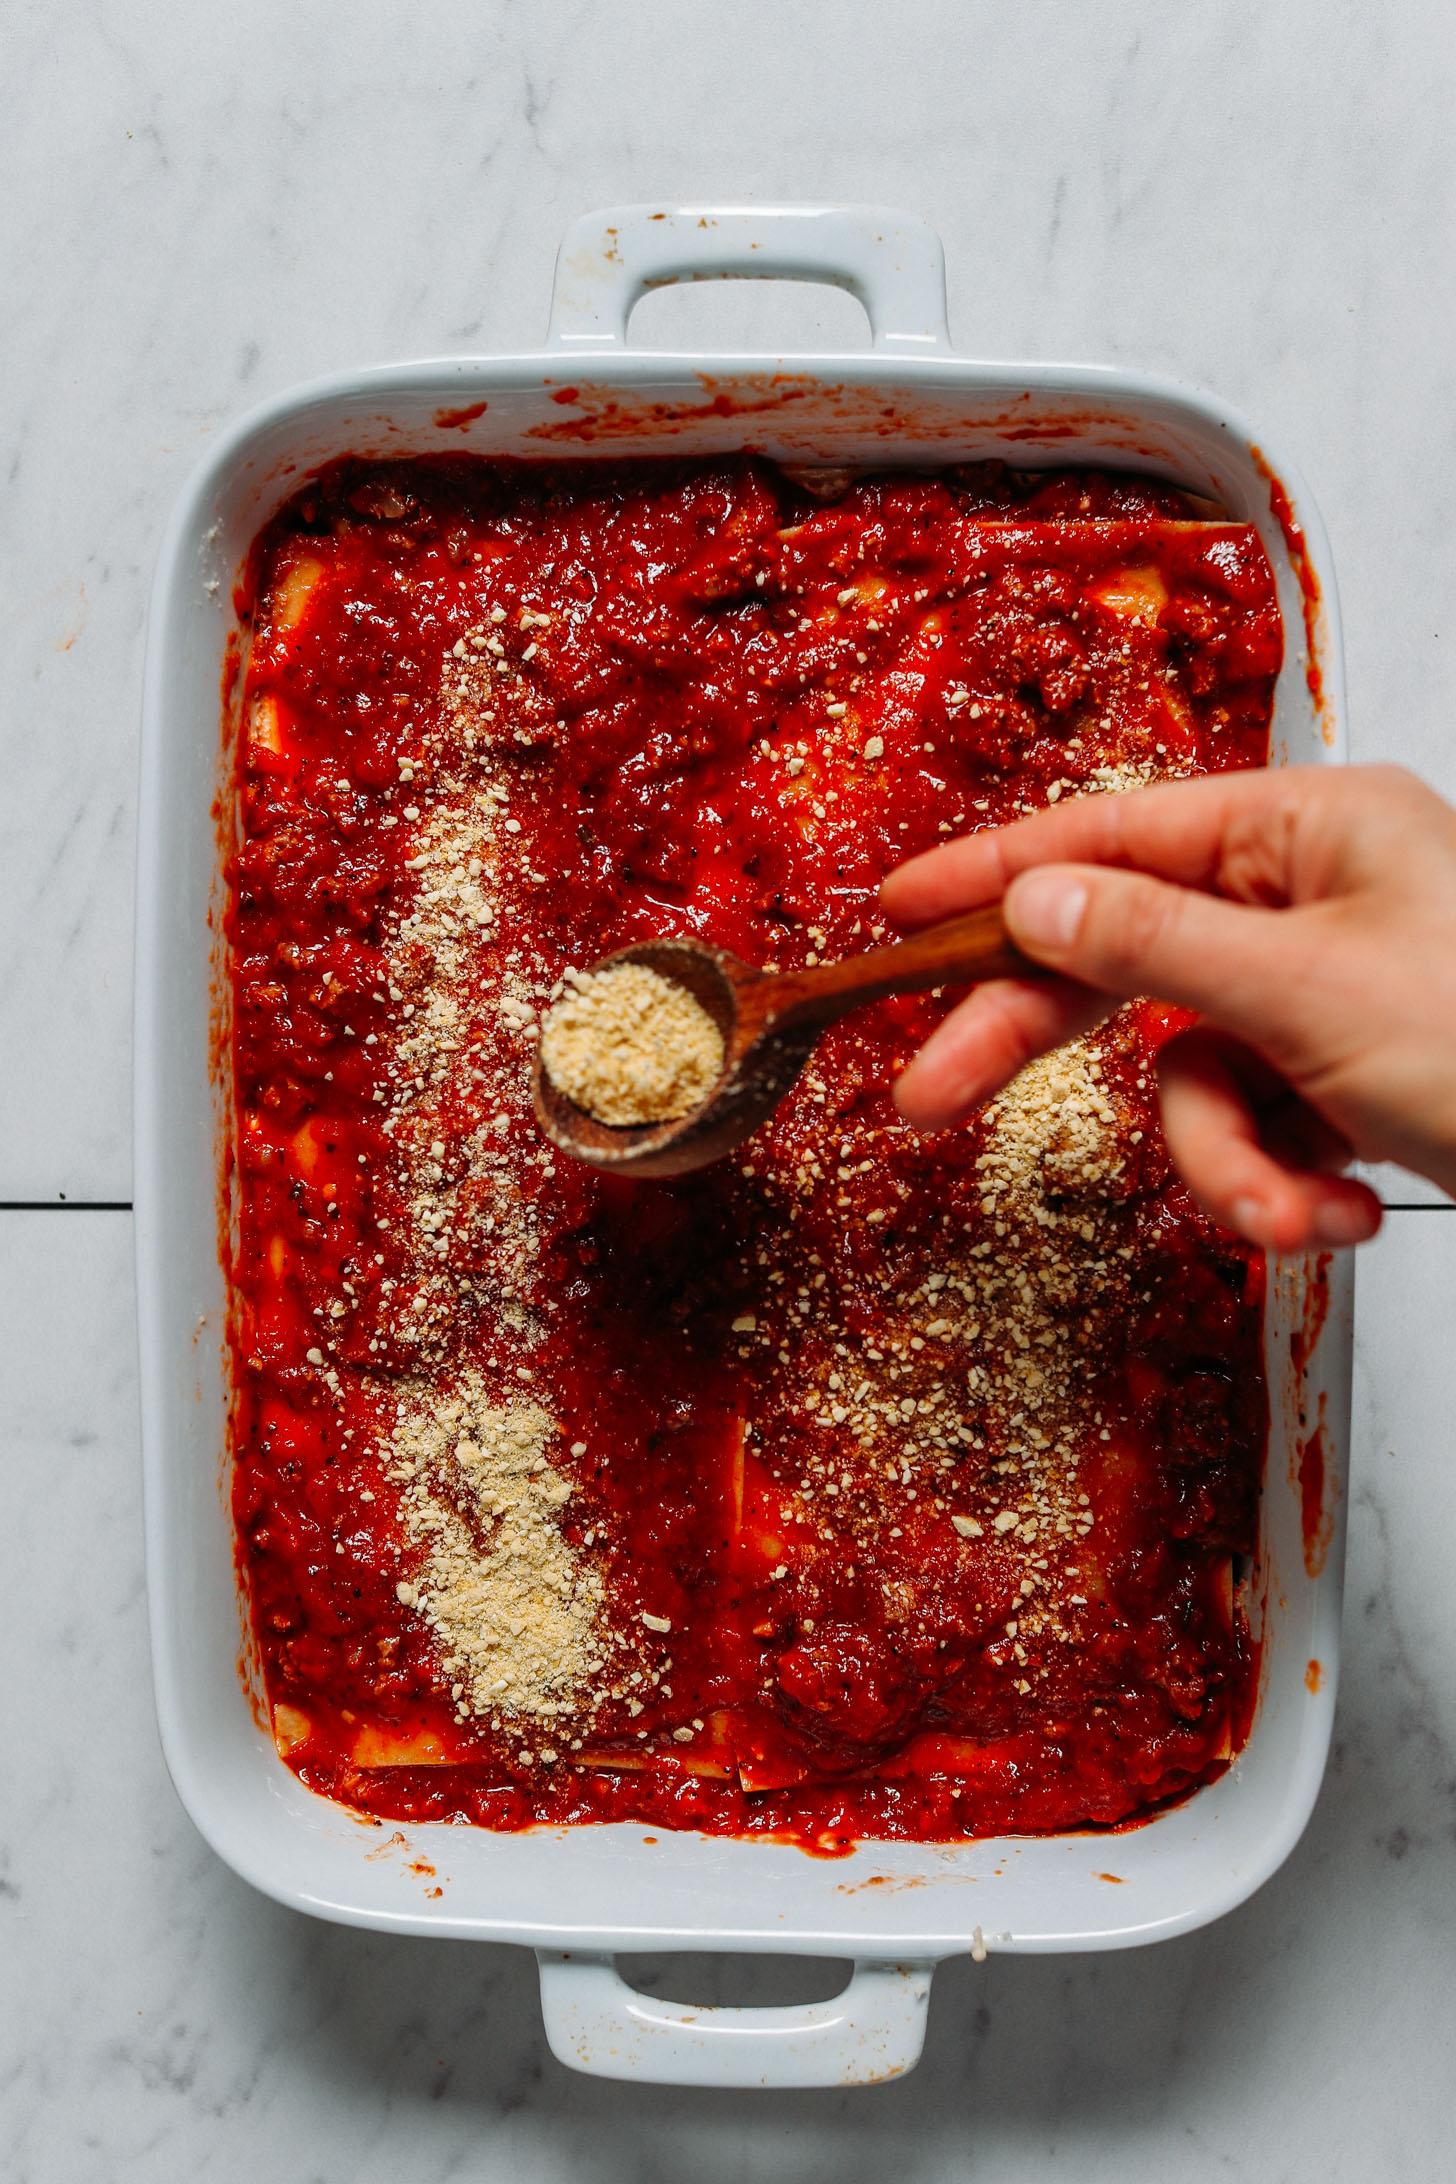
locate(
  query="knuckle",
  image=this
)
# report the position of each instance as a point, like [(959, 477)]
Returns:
[(1386, 774), (1134, 926), (1010, 1042)]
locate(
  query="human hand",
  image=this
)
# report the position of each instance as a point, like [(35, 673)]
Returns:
[(1307, 914)]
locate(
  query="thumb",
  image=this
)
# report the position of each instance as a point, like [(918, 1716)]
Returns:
[(1126, 934)]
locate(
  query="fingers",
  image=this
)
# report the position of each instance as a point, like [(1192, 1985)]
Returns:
[(1177, 830), (1253, 972), (1229, 1160), (1292, 834), (1305, 914), (982, 1044), (1260, 1161)]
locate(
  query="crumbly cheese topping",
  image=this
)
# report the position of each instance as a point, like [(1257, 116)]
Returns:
[(1050, 1181), (517, 1611), (974, 1395), (972, 1399), (630, 1046)]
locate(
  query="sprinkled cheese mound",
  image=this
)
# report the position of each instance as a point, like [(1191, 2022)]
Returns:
[(631, 1047), (516, 1609)]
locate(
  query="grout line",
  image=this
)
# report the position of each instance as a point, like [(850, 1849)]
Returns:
[(125, 1205), (65, 1205)]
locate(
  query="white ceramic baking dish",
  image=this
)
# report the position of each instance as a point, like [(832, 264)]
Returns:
[(579, 1895)]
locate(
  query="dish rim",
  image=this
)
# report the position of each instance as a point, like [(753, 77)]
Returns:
[(171, 1494)]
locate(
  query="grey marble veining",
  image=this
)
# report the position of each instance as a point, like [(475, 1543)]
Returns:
[(206, 206), (163, 2023)]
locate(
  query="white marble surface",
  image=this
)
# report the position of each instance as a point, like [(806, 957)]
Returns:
[(164, 2024), (205, 205)]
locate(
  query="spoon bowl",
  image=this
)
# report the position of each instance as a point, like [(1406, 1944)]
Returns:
[(770, 1023)]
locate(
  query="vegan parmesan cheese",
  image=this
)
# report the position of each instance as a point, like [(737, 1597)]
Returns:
[(630, 1046), (516, 1610)]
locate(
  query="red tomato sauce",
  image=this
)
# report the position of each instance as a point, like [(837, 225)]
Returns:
[(909, 1478)]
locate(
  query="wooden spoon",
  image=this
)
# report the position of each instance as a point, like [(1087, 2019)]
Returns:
[(770, 1022)]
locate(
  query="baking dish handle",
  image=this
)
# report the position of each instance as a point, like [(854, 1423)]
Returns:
[(596, 2023), (891, 262)]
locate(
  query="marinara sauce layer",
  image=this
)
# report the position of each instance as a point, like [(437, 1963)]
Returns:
[(866, 1484)]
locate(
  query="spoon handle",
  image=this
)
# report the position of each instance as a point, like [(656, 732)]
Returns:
[(958, 952)]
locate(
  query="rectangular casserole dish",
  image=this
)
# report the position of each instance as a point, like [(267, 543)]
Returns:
[(579, 1895)]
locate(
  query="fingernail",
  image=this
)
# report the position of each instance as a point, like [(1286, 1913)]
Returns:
[(1341, 1222), (1250, 1217), (1045, 909)]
